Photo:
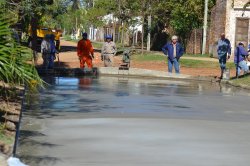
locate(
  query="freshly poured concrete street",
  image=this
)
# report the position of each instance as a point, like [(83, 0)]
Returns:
[(135, 122)]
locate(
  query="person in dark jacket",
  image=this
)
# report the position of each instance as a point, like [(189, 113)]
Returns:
[(174, 51), (224, 52), (52, 56), (240, 59)]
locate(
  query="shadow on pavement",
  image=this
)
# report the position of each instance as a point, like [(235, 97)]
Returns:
[(57, 64), (39, 160), (68, 49), (28, 133)]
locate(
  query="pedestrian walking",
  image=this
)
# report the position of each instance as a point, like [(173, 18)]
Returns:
[(108, 51), (240, 59), (85, 51), (174, 51), (224, 52)]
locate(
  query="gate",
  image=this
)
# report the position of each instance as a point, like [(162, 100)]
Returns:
[(242, 29)]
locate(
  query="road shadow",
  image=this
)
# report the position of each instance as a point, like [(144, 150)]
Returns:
[(39, 160), (29, 133), (74, 49), (98, 50), (28, 141), (241, 76), (57, 64), (68, 49)]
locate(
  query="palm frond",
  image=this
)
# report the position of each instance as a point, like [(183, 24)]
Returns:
[(14, 66)]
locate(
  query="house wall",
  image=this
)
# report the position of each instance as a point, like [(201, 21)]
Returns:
[(223, 20), (239, 3), (233, 13), (217, 25)]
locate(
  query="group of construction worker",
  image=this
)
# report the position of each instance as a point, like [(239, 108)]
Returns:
[(173, 50), (48, 50), (85, 51)]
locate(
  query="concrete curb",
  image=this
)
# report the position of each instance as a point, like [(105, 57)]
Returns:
[(135, 72), (114, 71), (140, 73)]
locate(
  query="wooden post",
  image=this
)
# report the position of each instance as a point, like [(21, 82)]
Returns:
[(149, 35)]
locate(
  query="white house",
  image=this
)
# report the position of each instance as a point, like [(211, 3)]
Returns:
[(237, 22), (229, 17)]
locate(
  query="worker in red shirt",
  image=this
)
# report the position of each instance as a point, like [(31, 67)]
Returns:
[(85, 51)]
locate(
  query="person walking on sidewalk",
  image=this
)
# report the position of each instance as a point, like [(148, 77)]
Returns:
[(85, 51), (174, 51), (108, 51), (240, 59), (224, 52)]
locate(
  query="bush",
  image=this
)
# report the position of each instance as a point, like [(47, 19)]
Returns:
[(16, 65)]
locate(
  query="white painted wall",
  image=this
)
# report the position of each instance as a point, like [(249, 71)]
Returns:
[(232, 15), (231, 27)]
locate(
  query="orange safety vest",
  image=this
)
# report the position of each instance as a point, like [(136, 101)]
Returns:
[(85, 48)]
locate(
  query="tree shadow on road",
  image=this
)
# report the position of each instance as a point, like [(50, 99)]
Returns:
[(39, 160), (68, 49)]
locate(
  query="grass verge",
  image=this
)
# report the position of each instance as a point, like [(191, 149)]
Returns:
[(6, 139), (243, 82), (96, 45), (198, 55), (190, 63)]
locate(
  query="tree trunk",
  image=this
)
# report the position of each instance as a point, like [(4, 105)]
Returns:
[(142, 36), (114, 35), (149, 34), (76, 28), (122, 38), (34, 25)]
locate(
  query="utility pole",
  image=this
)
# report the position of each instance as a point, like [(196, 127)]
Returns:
[(119, 21), (149, 35), (149, 29), (205, 28), (92, 26), (143, 17)]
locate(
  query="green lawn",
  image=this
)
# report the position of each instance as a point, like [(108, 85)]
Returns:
[(244, 81), (149, 57), (97, 45), (68, 38), (184, 62), (198, 55)]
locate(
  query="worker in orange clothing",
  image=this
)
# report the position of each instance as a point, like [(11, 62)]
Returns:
[(85, 51)]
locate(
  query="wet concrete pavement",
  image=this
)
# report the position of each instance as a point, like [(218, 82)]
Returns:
[(133, 122)]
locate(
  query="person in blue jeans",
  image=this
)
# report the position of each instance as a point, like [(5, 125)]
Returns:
[(174, 51), (224, 52), (240, 57)]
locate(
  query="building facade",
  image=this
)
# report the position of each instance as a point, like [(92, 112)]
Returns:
[(229, 17)]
